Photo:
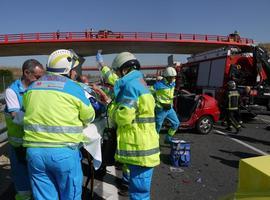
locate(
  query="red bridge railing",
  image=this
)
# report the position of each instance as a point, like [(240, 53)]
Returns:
[(70, 36)]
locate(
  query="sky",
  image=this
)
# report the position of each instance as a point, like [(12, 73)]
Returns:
[(250, 18)]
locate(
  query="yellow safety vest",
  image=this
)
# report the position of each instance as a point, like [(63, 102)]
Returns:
[(55, 111)]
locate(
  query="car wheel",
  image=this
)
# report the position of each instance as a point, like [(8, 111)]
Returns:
[(204, 125)]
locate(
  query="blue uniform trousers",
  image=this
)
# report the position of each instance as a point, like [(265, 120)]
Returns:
[(162, 114), (19, 173), (140, 182), (55, 173)]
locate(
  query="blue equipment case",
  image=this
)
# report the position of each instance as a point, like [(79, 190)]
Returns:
[(180, 153)]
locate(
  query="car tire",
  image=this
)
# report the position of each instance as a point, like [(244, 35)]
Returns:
[(204, 125)]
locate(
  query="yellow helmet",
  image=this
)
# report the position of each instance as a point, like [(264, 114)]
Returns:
[(62, 61)]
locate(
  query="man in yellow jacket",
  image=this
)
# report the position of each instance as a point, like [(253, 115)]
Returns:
[(163, 91), (133, 112), (56, 109), (31, 71)]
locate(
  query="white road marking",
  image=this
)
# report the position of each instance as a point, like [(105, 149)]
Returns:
[(242, 143), (264, 120), (104, 188)]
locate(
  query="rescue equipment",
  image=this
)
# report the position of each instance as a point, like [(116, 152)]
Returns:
[(180, 153)]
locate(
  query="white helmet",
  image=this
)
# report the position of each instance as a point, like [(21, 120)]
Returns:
[(62, 61), (125, 59), (169, 71)]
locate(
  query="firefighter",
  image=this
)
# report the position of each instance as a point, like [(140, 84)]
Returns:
[(234, 37), (235, 73), (56, 109), (31, 71), (164, 94), (133, 112), (232, 99)]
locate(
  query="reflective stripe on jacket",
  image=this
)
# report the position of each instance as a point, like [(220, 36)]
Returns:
[(133, 112), (15, 131), (233, 100), (56, 109)]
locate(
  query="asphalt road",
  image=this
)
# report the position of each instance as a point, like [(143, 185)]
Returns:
[(213, 172)]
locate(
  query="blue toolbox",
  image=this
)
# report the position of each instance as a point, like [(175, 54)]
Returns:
[(180, 153)]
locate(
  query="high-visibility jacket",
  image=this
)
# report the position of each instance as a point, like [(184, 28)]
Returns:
[(133, 112), (233, 97), (15, 131), (163, 92), (108, 75), (56, 109)]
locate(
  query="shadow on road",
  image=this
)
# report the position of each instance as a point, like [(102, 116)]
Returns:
[(239, 153), (249, 139), (231, 163), (164, 158)]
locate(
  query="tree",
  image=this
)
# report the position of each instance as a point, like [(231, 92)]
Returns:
[(6, 78)]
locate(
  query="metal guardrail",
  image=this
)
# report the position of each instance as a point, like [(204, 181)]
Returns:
[(3, 137), (59, 36), (3, 131)]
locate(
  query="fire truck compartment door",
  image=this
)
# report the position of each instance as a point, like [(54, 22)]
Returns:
[(211, 73), (217, 73), (203, 73)]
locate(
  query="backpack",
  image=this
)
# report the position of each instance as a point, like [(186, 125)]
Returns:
[(180, 153)]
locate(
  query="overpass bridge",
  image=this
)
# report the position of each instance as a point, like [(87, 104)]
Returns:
[(87, 43)]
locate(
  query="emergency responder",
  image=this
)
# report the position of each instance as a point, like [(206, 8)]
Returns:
[(232, 99), (164, 94), (234, 37), (133, 112), (110, 79), (31, 71), (56, 109), (235, 73)]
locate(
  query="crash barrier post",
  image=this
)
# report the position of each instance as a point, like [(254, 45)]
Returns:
[(253, 180), (254, 177)]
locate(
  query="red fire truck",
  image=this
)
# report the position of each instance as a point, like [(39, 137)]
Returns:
[(208, 73)]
